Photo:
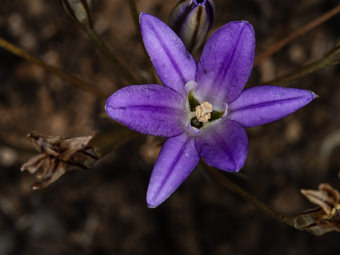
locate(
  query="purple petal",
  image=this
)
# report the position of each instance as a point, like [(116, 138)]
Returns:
[(149, 109), (175, 162), (173, 63), (226, 62), (224, 145), (263, 104)]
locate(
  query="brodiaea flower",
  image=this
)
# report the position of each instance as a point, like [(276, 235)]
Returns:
[(201, 107)]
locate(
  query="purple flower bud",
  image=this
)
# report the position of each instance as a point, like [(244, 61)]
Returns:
[(192, 20), (80, 10)]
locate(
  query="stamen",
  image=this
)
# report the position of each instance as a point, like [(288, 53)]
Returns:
[(203, 111)]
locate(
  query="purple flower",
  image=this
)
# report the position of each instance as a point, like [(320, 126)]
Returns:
[(202, 107)]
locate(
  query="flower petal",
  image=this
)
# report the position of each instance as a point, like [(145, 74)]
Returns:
[(226, 62), (224, 145), (173, 63), (263, 104), (175, 162), (149, 109)]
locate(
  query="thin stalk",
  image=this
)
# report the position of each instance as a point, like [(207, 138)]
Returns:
[(307, 69), (134, 13), (329, 59), (104, 49), (233, 187), (303, 30), (135, 16), (66, 77), (106, 143)]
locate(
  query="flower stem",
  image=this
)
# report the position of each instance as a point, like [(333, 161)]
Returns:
[(307, 69), (106, 143), (66, 77), (233, 187), (104, 49), (135, 16), (306, 28), (331, 58)]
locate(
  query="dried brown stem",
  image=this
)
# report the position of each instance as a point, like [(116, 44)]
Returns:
[(66, 77), (331, 58), (303, 30), (104, 49)]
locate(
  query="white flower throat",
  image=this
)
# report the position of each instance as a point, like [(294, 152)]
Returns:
[(201, 113)]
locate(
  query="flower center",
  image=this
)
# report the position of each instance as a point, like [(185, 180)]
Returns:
[(203, 111)]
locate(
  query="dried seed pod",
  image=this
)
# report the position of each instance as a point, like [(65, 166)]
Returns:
[(326, 217), (57, 156), (192, 20), (326, 197)]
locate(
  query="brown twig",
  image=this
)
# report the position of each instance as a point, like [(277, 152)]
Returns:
[(306, 28), (233, 187), (66, 77), (134, 14), (307, 69), (106, 52), (331, 58)]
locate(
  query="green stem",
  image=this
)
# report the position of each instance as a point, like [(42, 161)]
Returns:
[(104, 49), (66, 77), (233, 187)]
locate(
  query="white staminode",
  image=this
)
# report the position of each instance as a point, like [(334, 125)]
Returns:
[(203, 111)]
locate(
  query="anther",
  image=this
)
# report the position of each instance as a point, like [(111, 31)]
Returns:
[(203, 111)]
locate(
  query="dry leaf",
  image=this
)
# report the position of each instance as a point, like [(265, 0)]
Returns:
[(57, 156)]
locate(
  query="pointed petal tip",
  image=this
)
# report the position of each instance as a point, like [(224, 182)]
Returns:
[(314, 95), (175, 162), (310, 96), (107, 102), (174, 65), (149, 109), (140, 16), (144, 15), (242, 22), (225, 146), (232, 169), (226, 63), (264, 104), (152, 206), (153, 201)]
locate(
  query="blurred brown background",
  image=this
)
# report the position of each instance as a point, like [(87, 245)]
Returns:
[(103, 211)]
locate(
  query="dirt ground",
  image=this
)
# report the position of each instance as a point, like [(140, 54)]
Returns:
[(103, 210)]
